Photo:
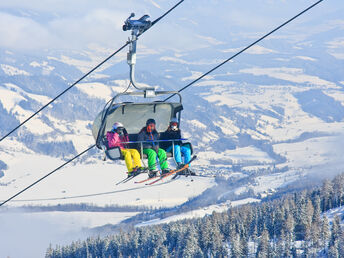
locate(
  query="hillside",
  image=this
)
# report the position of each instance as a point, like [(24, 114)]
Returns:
[(268, 122), (294, 225)]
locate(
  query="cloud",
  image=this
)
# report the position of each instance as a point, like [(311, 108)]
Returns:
[(35, 24), (22, 32)]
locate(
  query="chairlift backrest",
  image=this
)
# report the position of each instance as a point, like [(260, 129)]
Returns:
[(134, 116)]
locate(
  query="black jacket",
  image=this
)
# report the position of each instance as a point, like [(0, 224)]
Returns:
[(170, 135), (146, 136)]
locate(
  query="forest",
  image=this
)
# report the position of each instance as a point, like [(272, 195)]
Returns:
[(293, 225)]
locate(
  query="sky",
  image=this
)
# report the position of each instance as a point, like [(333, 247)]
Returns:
[(78, 24)]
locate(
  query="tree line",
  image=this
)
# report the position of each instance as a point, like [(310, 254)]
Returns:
[(293, 225)]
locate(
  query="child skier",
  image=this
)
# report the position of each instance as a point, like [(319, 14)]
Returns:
[(173, 132), (117, 138), (149, 135)]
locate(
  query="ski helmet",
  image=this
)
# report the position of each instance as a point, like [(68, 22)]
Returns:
[(150, 121), (117, 125), (174, 124), (174, 120)]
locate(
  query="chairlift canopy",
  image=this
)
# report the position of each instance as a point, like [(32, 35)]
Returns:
[(134, 116)]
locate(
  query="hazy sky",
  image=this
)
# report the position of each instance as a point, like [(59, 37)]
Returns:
[(72, 24)]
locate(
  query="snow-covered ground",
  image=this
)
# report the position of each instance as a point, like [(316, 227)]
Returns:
[(36, 231), (278, 107), (198, 213), (90, 183), (332, 213)]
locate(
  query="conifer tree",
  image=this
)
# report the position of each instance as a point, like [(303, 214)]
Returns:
[(264, 246), (236, 248)]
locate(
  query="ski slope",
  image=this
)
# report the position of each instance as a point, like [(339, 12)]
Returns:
[(199, 213), (92, 183)]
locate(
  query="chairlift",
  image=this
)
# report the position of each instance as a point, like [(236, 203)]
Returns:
[(133, 115)]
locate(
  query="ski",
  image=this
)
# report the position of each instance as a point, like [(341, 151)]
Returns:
[(128, 178), (173, 172), (147, 179)]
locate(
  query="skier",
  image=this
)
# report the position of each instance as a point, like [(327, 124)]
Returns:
[(173, 132), (149, 135), (117, 138)]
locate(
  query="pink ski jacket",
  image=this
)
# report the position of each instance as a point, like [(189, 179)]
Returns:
[(115, 140)]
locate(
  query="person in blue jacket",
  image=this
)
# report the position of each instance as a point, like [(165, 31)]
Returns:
[(173, 132)]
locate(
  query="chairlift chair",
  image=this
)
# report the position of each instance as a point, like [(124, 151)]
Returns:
[(133, 115)]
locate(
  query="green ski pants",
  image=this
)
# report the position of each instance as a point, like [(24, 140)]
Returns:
[(151, 154)]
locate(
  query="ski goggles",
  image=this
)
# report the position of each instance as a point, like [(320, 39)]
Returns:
[(150, 127), (120, 130)]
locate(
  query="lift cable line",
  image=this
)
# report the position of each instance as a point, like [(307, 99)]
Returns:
[(246, 48), (52, 172), (88, 73), (1, 204), (91, 147)]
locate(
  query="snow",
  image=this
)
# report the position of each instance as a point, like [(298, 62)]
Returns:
[(259, 50), (182, 61), (197, 123), (254, 50), (35, 125), (79, 128), (223, 100), (39, 98), (36, 231), (95, 89), (318, 151), (337, 95), (306, 58), (336, 48), (227, 126), (332, 213), (210, 40), (266, 183), (244, 201), (199, 213), (84, 65), (47, 69), (90, 183), (239, 155), (194, 75), (11, 70), (9, 99), (11, 95), (295, 75), (72, 220), (214, 83)]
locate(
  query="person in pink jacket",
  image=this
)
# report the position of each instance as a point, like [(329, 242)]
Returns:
[(118, 137)]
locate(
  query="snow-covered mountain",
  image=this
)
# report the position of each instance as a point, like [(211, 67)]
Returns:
[(266, 120), (280, 104)]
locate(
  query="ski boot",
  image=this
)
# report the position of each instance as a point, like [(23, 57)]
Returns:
[(152, 173), (135, 171), (165, 171), (180, 166)]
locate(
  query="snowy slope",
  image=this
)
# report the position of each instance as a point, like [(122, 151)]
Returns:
[(90, 183), (269, 118)]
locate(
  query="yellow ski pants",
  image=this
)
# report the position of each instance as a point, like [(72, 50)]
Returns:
[(132, 158)]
